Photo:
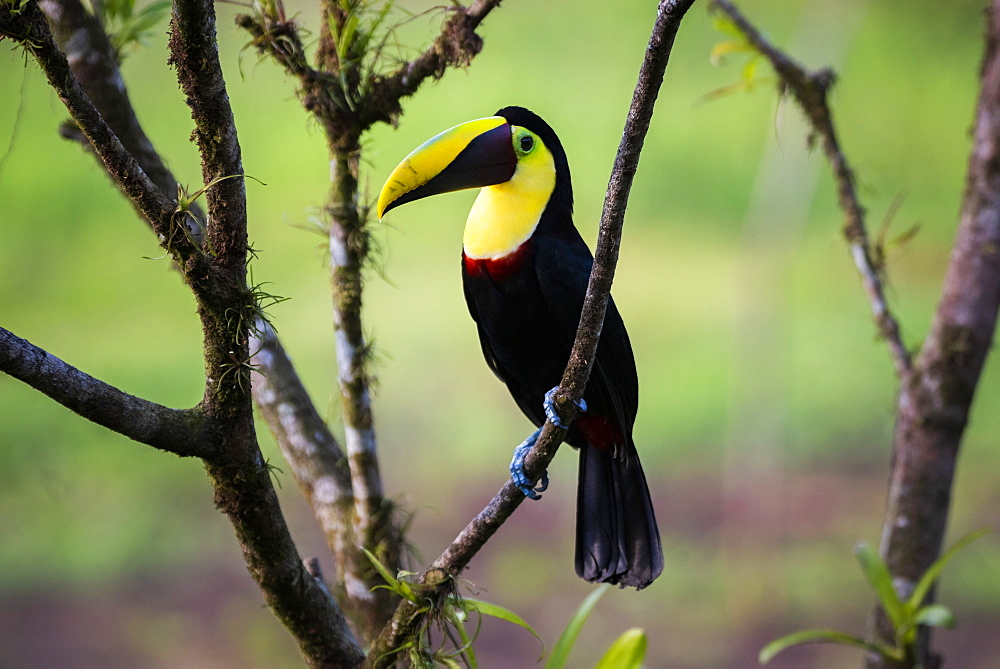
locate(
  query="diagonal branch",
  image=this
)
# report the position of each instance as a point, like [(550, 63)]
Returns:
[(181, 432), (320, 470), (810, 90), (407, 619)]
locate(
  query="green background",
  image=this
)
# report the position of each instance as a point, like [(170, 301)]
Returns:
[(766, 398)]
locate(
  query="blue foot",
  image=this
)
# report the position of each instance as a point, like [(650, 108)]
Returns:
[(550, 408), (517, 469)]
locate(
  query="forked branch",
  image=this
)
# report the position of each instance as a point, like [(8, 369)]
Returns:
[(346, 99)]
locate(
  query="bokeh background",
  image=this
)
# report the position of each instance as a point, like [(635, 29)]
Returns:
[(767, 400)]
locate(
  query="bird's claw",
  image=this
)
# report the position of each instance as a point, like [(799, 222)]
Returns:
[(517, 474), (550, 407)]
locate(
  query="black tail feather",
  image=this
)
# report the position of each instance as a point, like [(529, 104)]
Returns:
[(617, 540)]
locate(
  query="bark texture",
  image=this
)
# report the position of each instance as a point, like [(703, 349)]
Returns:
[(934, 402)]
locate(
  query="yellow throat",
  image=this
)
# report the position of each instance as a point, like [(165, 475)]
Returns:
[(504, 216)]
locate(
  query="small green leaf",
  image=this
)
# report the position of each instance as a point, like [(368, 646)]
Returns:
[(881, 581), (564, 646), (722, 49), (149, 16), (382, 571), (768, 652), (933, 572), (397, 585), (495, 611), (749, 70), (626, 652), (936, 615), (466, 649)]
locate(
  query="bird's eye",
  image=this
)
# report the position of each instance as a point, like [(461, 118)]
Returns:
[(527, 143)]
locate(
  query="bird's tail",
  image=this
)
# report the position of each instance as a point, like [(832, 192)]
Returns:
[(617, 540)]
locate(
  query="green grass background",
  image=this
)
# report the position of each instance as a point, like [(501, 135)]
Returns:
[(766, 398)]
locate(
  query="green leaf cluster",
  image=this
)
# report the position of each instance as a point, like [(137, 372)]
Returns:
[(451, 615), (906, 615)]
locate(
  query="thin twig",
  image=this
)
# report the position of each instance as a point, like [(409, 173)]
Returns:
[(455, 46), (810, 90), (456, 556)]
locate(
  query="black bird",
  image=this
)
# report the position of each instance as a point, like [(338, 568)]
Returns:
[(525, 270)]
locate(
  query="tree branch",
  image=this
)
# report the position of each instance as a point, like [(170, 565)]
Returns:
[(934, 404), (181, 432), (346, 105), (302, 603), (195, 53), (937, 390), (216, 274), (810, 89), (320, 469), (228, 310), (407, 619)]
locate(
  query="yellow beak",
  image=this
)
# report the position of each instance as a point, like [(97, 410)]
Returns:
[(471, 155)]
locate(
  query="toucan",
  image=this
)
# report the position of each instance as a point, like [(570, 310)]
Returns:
[(525, 270)]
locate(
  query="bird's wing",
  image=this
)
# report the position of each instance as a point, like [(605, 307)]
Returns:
[(563, 269)]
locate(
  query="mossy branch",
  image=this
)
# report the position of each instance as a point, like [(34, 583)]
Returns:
[(216, 274)]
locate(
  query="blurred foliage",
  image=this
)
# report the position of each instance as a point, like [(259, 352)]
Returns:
[(767, 402), (127, 26)]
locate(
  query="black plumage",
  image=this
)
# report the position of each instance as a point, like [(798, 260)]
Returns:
[(527, 307)]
